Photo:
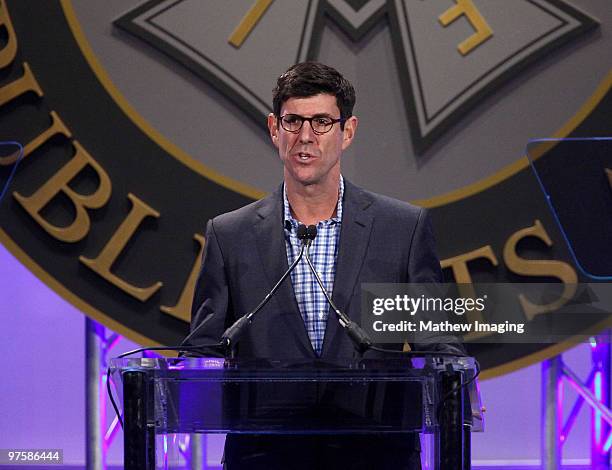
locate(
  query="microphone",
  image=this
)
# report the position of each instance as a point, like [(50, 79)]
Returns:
[(232, 335), (311, 233), (358, 336)]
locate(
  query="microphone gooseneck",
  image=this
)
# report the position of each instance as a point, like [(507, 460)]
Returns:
[(358, 336)]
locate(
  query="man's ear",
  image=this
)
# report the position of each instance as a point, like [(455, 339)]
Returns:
[(273, 129), (350, 127)]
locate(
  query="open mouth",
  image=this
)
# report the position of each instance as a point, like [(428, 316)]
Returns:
[(304, 156)]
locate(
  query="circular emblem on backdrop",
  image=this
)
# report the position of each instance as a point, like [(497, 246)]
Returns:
[(141, 120)]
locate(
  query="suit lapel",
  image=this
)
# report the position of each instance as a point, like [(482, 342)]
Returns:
[(270, 241), (354, 237)]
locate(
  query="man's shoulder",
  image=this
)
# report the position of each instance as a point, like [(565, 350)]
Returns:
[(246, 215), (383, 205)]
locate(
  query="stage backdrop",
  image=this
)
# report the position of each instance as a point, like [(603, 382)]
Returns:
[(143, 119)]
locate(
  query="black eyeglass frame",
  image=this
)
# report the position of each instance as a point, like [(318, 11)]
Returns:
[(304, 119)]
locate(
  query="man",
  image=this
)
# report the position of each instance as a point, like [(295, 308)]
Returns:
[(362, 237)]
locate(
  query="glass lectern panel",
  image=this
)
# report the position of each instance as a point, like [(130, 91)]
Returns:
[(165, 399), (210, 395)]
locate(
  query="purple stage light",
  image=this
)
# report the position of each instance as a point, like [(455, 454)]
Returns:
[(598, 421), (608, 443)]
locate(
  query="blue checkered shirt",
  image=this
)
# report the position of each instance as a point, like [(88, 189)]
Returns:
[(323, 254)]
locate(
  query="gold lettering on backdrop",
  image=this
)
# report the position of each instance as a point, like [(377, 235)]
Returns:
[(57, 127), (9, 51), (247, 23), (59, 182), (104, 262), (9, 92), (458, 264), (20, 86), (482, 30), (532, 267), (182, 309)]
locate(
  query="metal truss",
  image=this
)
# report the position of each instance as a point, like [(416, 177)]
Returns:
[(99, 436), (595, 392)]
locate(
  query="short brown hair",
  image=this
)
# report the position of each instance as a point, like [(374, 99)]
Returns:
[(312, 78)]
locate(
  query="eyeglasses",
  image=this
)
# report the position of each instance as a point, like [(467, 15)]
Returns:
[(320, 124)]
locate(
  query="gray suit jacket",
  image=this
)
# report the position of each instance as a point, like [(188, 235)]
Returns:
[(382, 240)]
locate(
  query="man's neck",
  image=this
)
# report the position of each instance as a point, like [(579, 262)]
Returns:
[(313, 203)]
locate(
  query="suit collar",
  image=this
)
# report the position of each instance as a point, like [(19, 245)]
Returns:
[(354, 239)]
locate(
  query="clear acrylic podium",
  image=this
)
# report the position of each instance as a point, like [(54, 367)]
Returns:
[(212, 395)]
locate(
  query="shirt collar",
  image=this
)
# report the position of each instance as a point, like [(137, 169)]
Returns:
[(288, 218)]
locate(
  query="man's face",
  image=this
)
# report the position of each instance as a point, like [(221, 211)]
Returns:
[(311, 158)]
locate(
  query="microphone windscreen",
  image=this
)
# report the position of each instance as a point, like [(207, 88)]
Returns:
[(311, 232), (302, 232)]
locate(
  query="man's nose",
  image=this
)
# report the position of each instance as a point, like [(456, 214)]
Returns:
[(306, 132)]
